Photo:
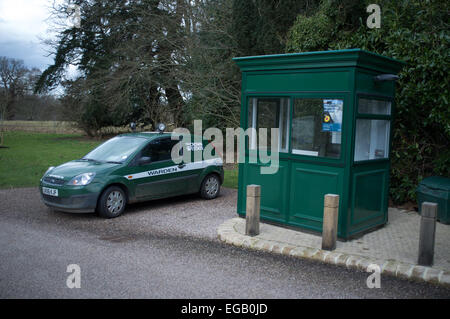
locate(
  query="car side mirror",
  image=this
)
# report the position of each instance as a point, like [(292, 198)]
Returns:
[(144, 160)]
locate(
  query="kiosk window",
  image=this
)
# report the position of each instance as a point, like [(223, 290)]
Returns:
[(316, 127), (372, 139), (269, 113), (371, 106)]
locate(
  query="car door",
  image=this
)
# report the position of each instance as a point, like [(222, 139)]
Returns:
[(160, 177)]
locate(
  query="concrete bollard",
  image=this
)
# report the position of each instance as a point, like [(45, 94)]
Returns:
[(252, 211), (427, 233), (330, 221)]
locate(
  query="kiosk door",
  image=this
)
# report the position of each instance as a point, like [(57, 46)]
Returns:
[(264, 114), (316, 157)]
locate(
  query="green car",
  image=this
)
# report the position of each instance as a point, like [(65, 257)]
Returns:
[(130, 168)]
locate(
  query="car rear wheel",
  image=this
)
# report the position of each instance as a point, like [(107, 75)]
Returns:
[(112, 202), (210, 187)]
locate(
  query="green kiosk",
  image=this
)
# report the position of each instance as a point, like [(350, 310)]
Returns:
[(334, 111)]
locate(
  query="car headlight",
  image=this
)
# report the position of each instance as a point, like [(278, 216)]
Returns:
[(82, 179), (49, 169)]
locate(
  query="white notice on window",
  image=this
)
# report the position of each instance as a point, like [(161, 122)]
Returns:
[(335, 137)]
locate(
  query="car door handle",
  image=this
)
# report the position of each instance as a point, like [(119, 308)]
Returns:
[(181, 165)]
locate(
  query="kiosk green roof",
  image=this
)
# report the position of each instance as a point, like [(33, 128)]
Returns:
[(320, 59)]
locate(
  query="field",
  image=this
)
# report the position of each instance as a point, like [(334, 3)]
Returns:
[(60, 127), (28, 155), (41, 126)]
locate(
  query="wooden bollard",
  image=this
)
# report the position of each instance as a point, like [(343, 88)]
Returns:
[(427, 233), (252, 212), (330, 221)]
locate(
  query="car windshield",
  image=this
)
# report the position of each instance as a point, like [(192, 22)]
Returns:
[(115, 150)]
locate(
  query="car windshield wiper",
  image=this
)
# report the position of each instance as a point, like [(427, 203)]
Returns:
[(88, 159), (113, 162)]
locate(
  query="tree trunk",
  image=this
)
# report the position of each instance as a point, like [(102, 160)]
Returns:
[(176, 104)]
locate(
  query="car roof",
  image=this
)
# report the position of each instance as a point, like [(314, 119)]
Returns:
[(152, 135), (147, 135)]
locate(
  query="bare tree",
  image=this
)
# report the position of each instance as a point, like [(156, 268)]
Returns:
[(12, 79), (149, 61), (210, 75)]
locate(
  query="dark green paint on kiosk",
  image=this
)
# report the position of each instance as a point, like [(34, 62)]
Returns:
[(335, 122)]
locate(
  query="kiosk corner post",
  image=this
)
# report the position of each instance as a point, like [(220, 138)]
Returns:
[(252, 211), (427, 233), (330, 221)]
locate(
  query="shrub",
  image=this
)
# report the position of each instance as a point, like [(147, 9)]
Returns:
[(416, 32)]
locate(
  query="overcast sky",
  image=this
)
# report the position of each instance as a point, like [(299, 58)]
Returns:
[(22, 26)]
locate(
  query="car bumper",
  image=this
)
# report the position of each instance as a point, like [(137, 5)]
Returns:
[(72, 200), (72, 204)]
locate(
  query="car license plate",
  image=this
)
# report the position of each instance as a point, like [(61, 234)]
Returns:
[(50, 191)]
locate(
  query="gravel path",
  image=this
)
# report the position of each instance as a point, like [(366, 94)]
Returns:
[(160, 249)]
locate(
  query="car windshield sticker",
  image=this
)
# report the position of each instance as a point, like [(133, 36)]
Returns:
[(176, 168), (194, 146)]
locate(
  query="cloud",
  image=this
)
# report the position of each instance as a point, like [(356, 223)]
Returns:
[(22, 25), (32, 53)]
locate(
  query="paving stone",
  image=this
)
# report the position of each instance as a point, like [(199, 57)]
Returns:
[(432, 275), (277, 249), (363, 263), (320, 255), (404, 270), (342, 259), (445, 278), (266, 246), (351, 262), (393, 247), (390, 267), (298, 252), (330, 258), (418, 271), (287, 250)]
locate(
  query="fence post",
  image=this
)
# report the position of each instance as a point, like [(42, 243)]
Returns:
[(427, 233), (252, 211), (330, 221)]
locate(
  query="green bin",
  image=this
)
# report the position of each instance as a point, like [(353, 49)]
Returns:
[(436, 189)]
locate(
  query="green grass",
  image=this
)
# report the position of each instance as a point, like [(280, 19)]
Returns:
[(28, 155), (231, 178)]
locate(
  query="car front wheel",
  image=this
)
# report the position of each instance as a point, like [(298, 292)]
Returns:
[(210, 187), (112, 202)]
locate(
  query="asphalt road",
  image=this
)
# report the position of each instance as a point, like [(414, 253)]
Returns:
[(160, 249)]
